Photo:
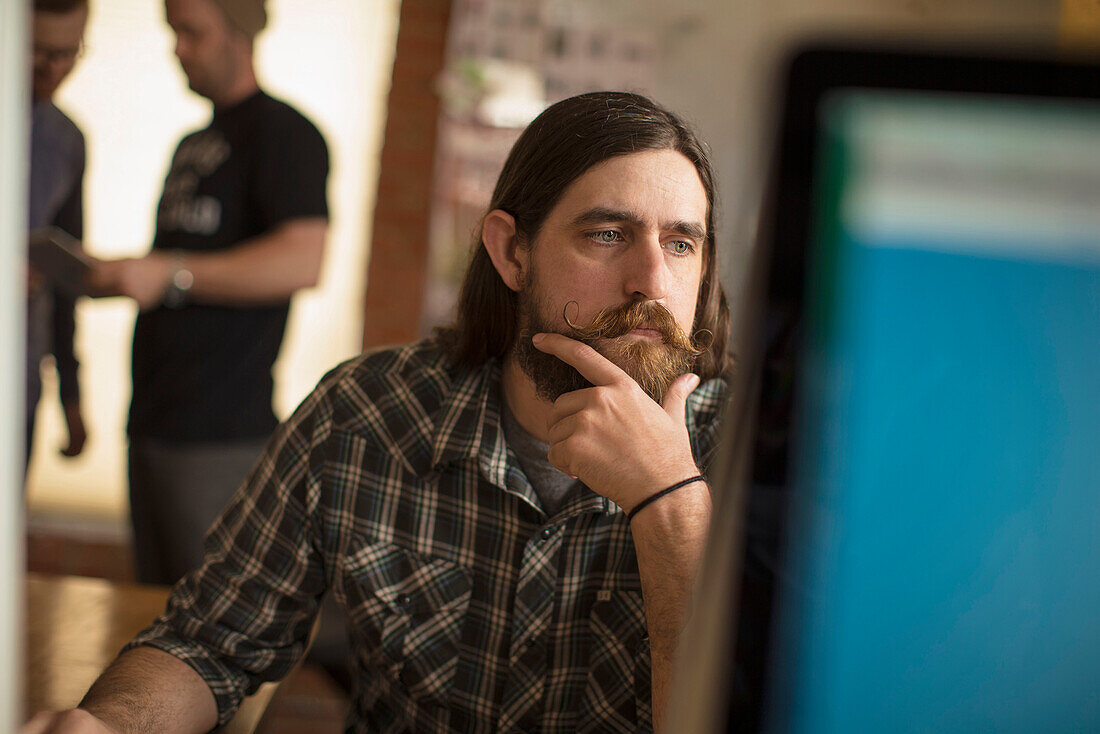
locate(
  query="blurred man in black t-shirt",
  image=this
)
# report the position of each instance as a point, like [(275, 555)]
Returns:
[(240, 227)]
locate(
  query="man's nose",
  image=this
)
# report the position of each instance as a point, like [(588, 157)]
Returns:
[(647, 275)]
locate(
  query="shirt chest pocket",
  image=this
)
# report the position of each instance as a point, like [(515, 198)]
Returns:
[(408, 610), (617, 692)]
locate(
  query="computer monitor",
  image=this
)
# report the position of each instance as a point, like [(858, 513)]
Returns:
[(917, 510)]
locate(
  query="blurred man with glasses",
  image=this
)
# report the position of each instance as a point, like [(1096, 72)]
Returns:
[(56, 182)]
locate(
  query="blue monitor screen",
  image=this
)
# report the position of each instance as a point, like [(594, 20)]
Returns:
[(943, 537)]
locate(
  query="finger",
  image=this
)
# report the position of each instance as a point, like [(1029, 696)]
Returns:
[(563, 458), (39, 724), (559, 437), (562, 428), (675, 402), (103, 275), (592, 365), (573, 402)]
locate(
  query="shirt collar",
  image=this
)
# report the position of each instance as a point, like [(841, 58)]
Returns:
[(469, 422), (469, 429)]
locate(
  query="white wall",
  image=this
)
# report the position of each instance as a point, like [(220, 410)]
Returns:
[(719, 57), (331, 59)]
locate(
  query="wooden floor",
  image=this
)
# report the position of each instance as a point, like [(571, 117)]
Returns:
[(308, 702)]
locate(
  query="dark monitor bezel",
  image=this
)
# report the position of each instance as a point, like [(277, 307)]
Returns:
[(770, 335)]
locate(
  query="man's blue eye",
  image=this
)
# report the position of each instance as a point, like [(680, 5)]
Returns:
[(607, 235), (680, 247)]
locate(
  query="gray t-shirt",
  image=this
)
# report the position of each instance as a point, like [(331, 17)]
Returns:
[(550, 483)]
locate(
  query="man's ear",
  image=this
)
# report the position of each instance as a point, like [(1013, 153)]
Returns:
[(498, 236)]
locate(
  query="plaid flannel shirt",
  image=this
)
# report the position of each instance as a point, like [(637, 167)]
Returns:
[(469, 609)]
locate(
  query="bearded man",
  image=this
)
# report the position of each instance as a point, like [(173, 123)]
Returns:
[(512, 512)]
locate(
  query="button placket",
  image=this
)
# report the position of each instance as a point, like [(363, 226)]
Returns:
[(534, 599)]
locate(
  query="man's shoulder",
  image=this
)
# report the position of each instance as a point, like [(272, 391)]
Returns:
[(407, 362), (707, 401), (276, 113), (706, 407), (60, 127), (196, 134), (392, 385)]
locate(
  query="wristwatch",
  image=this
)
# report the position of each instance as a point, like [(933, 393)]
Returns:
[(176, 295)]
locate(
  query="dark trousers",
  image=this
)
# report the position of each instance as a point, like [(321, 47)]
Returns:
[(176, 493)]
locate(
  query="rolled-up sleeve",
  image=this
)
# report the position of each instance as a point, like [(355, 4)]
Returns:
[(244, 617)]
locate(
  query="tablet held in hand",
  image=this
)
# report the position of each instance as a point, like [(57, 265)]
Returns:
[(58, 257)]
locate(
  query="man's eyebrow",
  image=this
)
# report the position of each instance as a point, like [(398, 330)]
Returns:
[(693, 230), (600, 214)]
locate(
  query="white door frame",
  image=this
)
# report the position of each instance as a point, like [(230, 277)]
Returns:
[(14, 154)]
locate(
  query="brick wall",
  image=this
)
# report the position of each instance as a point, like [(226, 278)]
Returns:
[(399, 245)]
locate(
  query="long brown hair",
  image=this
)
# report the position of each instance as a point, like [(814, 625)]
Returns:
[(563, 142)]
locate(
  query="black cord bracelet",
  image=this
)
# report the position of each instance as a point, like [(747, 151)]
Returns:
[(692, 480)]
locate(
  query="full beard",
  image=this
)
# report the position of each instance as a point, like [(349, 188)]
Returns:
[(652, 363)]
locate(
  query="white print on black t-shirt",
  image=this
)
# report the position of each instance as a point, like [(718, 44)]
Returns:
[(180, 209), (202, 153)]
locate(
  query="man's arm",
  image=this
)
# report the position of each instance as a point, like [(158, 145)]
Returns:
[(669, 537), (264, 270), (144, 690), (244, 616), (627, 448)]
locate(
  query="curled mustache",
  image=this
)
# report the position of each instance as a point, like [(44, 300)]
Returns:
[(616, 321)]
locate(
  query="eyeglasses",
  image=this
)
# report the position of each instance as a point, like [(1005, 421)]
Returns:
[(47, 55)]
